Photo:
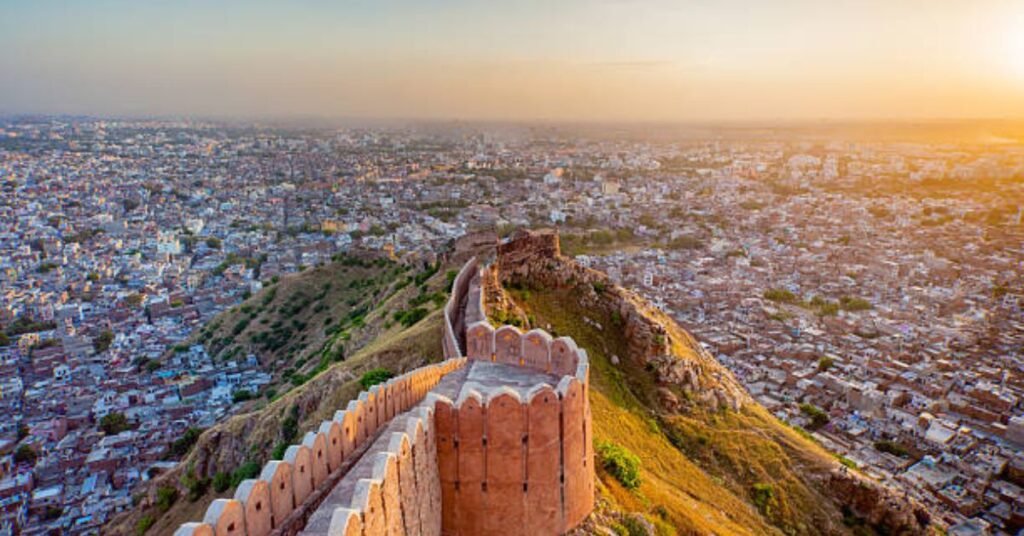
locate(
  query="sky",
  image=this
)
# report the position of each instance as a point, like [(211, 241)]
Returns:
[(561, 60)]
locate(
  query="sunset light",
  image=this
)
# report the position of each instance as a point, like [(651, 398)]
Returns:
[(512, 267)]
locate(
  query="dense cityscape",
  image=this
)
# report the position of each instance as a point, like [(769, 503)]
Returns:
[(868, 292)]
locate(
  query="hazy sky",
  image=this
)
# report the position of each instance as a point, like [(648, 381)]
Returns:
[(491, 59)]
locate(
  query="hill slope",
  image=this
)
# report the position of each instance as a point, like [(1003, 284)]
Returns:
[(713, 461), (384, 315)]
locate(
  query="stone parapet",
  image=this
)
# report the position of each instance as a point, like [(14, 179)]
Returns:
[(281, 499)]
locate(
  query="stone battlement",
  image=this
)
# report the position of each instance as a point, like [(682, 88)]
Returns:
[(496, 439)]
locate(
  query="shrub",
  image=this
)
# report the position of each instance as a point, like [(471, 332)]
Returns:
[(763, 495), (892, 447), (247, 470), (25, 454), (145, 522), (183, 444), (620, 463), (114, 423), (102, 342), (221, 482), (854, 304), (780, 295), (375, 376), (241, 395), (818, 417), (166, 496)]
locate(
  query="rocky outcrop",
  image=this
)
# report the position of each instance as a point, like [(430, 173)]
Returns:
[(879, 506), (533, 259)]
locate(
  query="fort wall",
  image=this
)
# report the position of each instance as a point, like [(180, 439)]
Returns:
[(282, 498), (490, 459)]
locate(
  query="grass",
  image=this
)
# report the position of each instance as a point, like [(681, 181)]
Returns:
[(247, 440), (699, 468)]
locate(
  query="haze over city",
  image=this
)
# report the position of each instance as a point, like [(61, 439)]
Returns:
[(512, 268), (607, 60)]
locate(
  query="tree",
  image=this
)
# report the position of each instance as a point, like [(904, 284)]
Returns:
[(4, 339), (213, 242), (114, 423), (25, 454), (103, 341), (825, 363)]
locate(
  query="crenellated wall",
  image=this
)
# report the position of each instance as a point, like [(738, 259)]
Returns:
[(281, 499), (455, 317), (502, 445)]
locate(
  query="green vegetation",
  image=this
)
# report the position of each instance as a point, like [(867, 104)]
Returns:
[(247, 470), (103, 341), (375, 376), (620, 463), (221, 482), (685, 242), (144, 524), (25, 325), (114, 423), (762, 495), (25, 454), (892, 447), (196, 486), (409, 317), (781, 296), (166, 496), (818, 417), (241, 395), (848, 303), (825, 363), (181, 446)]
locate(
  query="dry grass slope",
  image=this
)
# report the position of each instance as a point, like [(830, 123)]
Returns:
[(699, 468), (376, 340)]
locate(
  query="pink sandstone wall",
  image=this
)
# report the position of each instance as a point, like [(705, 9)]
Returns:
[(402, 495), (486, 464), (513, 466), (267, 504)]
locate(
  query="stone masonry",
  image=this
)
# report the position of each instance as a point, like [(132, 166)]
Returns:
[(496, 439)]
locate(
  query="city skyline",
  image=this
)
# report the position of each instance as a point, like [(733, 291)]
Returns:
[(577, 61)]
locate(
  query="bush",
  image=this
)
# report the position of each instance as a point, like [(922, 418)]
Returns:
[(221, 482), (410, 317), (375, 376), (780, 295), (854, 304), (114, 423), (183, 444), (102, 342), (818, 417), (620, 463), (241, 395), (247, 470), (166, 496), (893, 448), (25, 454), (763, 495), (144, 524)]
